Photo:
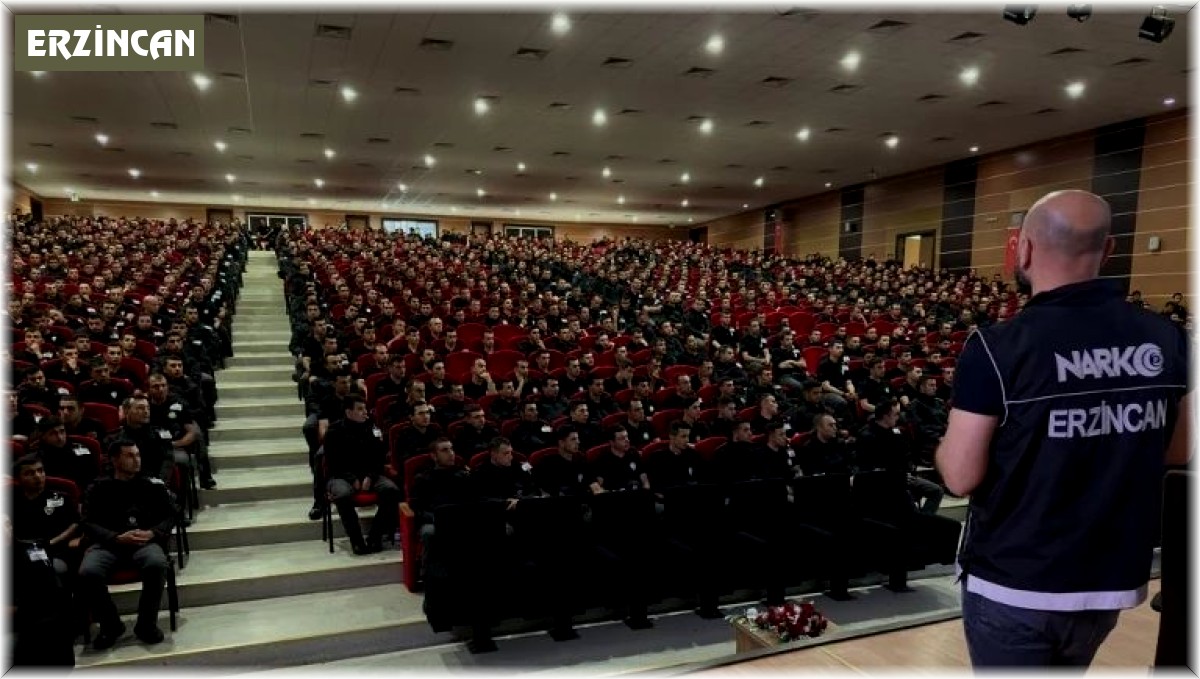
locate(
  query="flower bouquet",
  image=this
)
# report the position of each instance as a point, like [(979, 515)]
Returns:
[(790, 621)]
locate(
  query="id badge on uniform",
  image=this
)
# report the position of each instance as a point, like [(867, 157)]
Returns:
[(164, 434), (526, 467), (378, 434), (36, 553)]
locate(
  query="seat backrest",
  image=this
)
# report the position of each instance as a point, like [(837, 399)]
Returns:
[(108, 416), (414, 466)]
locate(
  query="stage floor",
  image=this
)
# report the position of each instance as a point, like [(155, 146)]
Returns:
[(941, 646)]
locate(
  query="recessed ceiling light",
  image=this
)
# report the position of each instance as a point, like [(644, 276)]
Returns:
[(482, 106), (201, 81), (1075, 89), (236, 197), (1169, 101), (220, 145), (402, 187), (620, 200), (803, 134), (454, 208), (683, 203), (969, 75), (599, 118), (68, 189), (689, 220), (312, 201), (974, 149), (715, 45), (330, 153), (430, 161), (349, 94), (685, 177), (634, 218), (37, 74), (480, 192), (101, 139), (606, 172), (560, 24), (518, 212), (319, 183), (553, 196), (828, 184), (577, 217), (706, 127), (758, 182), (230, 178), (520, 167), (32, 167), (892, 141), (154, 194), (745, 205), (134, 172), (851, 60)]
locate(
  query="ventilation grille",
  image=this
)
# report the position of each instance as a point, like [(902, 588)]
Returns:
[(558, 106), (734, 166), (183, 154), (699, 72), (1066, 51), (629, 112), (41, 144), (85, 119), (436, 44), (827, 170), (332, 31), (614, 157), (378, 140), (835, 130), (992, 103), (941, 139), (617, 62), (230, 19), (1045, 111), (1135, 61), (845, 88), (759, 123), (560, 154), (410, 91), (530, 53), (232, 75), (501, 149), (365, 165), (320, 82), (312, 135), (164, 126), (239, 130), (932, 98), (781, 168), (304, 161), (887, 27), (245, 157), (775, 81), (443, 144), (967, 38), (666, 161)]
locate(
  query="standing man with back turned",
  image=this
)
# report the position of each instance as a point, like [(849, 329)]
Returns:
[(1064, 419)]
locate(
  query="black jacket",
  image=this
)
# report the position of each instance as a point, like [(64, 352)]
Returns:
[(354, 451), (112, 507)]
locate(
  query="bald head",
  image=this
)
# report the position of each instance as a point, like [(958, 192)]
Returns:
[(1069, 224)]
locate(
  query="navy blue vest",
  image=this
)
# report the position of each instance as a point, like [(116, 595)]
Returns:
[(1066, 515)]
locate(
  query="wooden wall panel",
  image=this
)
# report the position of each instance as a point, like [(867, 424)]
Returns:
[(1164, 210), (899, 205)]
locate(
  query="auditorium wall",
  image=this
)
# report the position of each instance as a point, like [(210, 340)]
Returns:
[(1008, 182), (583, 232)]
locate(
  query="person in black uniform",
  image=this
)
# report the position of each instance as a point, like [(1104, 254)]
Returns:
[(531, 434), (641, 433), (155, 453), (445, 484), (499, 479), (565, 473), (416, 437), (679, 465), (169, 413), (45, 517), (1063, 419), (880, 445), (741, 459), (476, 436), (825, 452), (71, 413), (619, 467), (61, 458), (355, 455), (127, 518)]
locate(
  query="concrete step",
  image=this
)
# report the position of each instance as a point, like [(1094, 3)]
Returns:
[(266, 389), (266, 407), (254, 485), (280, 360), (257, 373), (268, 321), (257, 454), (284, 631), (245, 524), (254, 346), (258, 429), (278, 335), (222, 576)]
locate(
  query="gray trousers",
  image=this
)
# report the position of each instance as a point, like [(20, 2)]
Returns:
[(341, 493), (101, 562)]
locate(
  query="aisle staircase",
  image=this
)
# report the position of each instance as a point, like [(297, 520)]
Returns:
[(260, 588)]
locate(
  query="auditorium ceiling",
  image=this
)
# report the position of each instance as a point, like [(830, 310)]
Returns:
[(279, 88)]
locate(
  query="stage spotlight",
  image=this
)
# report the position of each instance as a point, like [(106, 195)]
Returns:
[(1080, 13), (1020, 14), (1156, 27)]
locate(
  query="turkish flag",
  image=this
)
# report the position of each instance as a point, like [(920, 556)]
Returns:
[(1010, 251)]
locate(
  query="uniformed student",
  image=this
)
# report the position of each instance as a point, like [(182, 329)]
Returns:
[(565, 473), (127, 517), (499, 479), (169, 413), (44, 517), (619, 467), (1062, 421), (355, 455)]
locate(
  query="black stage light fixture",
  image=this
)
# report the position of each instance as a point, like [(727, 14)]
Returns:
[(1156, 27), (1080, 13), (1020, 14)]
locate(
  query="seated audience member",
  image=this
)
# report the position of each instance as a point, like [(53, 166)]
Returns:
[(636, 423), (416, 437), (45, 517), (566, 472), (507, 404), (69, 368), (551, 404), (21, 422), (589, 431), (599, 403), (33, 390), (931, 418), (875, 389), (697, 430), (476, 435), (444, 484), (768, 414), (500, 480), (825, 452), (683, 394), (880, 445), (169, 413), (454, 409), (480, 383), (156, 456), (726, 420), (781, 459), (619, 467), (102, 388), (61, 458), (355, 455), (838, 388), (741, 459), (396, 381), (679, 465), (402, 408), (531, 433), (71, 413), (127, 518)]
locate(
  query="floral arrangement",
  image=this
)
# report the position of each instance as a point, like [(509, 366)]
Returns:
[(790, 621)]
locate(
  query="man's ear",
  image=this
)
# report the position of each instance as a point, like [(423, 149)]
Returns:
[(1109, 244)]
